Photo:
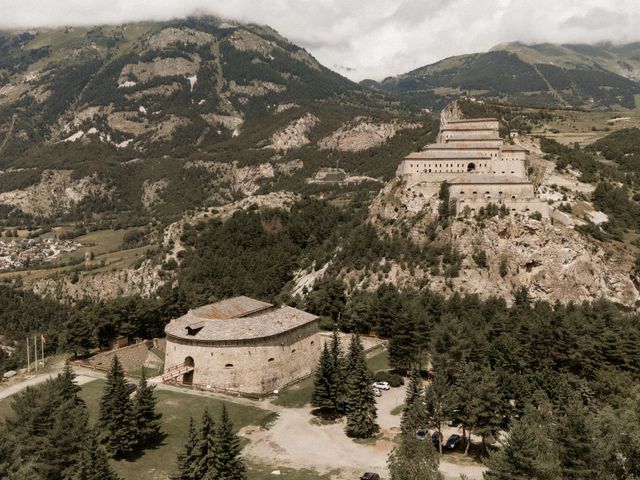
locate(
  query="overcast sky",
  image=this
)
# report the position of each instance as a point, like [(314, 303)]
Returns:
[(368, 38)]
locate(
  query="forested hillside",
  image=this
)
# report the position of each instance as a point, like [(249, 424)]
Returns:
[(596, 77), (138, 121)]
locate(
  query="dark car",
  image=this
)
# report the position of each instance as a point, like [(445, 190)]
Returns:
[(131, 387), (370, 476), (422, 434), (435, 438), (452, 442)]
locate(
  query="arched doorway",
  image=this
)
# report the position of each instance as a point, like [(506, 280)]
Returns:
[(471, 167), (187, 378)]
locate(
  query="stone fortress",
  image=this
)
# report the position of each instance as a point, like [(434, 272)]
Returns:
[(241, 345), (479, 166)]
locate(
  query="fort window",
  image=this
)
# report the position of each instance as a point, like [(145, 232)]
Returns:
[(513, 196), (471, 167), (270, 360), (229, 365), (293, 351)]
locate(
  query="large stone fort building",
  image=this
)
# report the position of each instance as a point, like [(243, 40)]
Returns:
[(242, 345), (479, 166)]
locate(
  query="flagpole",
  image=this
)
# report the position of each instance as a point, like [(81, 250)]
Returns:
[(28, 360), (42, 345), (35, 349)]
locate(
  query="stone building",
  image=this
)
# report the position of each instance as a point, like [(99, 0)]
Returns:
[(242, 345), (479, 166)]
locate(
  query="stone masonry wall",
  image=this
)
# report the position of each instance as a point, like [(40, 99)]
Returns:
[(255, 367)]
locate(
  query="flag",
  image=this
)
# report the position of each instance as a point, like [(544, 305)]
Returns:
[(42, 339)]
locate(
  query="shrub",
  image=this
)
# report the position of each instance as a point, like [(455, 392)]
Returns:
[(393, 379)]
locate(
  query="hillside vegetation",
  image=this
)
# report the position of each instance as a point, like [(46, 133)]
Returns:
[(596, 77)]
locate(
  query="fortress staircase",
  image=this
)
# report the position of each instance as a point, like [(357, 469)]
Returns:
[(175, 371)]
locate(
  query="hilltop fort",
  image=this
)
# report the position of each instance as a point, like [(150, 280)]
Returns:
[(479, 166)]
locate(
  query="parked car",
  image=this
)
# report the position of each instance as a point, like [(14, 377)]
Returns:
[(435, 439), (131, 387), (382, 385), (376, 392), (370, 476), (422, 434), (452, 442)]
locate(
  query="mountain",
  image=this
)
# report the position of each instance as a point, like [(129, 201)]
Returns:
[(595, 77), (124, 123)]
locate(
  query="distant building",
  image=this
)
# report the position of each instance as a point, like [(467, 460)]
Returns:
[(479, 166), (242, 345)]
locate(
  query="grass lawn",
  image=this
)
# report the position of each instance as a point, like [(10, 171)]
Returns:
[(176, 409), (298, 395)]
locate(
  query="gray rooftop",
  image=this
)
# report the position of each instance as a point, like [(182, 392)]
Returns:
[(448, 155), (252, 319)]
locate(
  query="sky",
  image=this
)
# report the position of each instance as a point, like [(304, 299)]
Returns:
[(368, 38)]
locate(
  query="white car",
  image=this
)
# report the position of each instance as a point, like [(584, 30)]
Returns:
[(382, 385)]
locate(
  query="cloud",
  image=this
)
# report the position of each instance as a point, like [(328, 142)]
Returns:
[(370, 39)]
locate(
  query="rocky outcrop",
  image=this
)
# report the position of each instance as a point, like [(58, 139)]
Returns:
[(151, 191), (170, 36), (57, 192), (294, 135), (362, 134), (555, 263), (143, 281), (162, 67)]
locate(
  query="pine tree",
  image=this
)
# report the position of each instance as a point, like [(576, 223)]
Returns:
[(66, 382), (93, 463), (186, 458), (403, 346), (205, 449), (414, 414), (361, 410), (71, 422), (576, 437), (340, 374), (146, 417), (436, 405), (116, 414), (414, 459), (323, 396), (528, 452), (228, 462)]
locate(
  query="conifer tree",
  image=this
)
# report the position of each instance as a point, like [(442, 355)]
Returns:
[(528, 452), (323, 385), (228, 462), (66, 382), (402, 345), (146, 417), (93, 463), (117, 420), (340, 374), (205, 449), (414, 459), (361, 411), (436, 405), (414, 414), (186, 458)]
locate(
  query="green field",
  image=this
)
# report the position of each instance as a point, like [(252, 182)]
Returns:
[(176, 409)]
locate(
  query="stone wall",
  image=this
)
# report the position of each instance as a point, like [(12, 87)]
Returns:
[(524, 206), (132, 357), (421, 169), (250, 367), (492, 191)]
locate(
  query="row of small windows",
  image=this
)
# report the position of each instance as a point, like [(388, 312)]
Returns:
[(230, 365)]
